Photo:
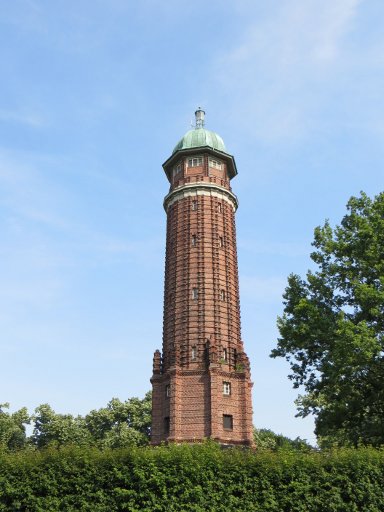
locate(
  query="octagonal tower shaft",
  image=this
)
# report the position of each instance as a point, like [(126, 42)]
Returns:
[(201, 296), (201, 380)]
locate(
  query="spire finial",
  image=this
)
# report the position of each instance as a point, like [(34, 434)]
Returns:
[(200, 118)]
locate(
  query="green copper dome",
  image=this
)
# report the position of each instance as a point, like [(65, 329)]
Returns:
[(200, 137)]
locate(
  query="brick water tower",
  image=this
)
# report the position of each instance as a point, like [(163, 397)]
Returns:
[(201, 380)]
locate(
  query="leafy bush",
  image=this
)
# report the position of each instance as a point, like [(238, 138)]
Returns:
[(191, 478)]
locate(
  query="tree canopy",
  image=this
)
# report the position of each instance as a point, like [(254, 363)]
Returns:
[(118, 425), (267, 440), (12, 428), (332, 328)]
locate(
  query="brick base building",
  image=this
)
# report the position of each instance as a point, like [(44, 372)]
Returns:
[(201, 380)]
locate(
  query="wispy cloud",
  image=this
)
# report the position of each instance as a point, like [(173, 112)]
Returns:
[(36, 211), (26, 192), (277, 74), (31, 119)]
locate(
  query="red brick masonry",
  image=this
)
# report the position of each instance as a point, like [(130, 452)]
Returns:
[(201, 380)]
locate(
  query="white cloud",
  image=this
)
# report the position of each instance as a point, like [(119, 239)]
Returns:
[(279, 73), (302, 34), (26, 193), (31, 119), (37, 214)]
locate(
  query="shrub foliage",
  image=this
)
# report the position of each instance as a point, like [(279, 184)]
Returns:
[(191, 478)]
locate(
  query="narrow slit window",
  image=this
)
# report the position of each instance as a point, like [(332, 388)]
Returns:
[(194, 204), (176, 170), (194, 353), (195, 293), (168, 390), (226, 388), (166, 425), (221, 241), (193, 240), (219, 207), (225, 354), (222, 295)]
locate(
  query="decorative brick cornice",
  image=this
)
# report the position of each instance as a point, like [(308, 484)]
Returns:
[(201, 189)]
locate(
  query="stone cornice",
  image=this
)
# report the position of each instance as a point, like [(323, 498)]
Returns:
[(201, 189)]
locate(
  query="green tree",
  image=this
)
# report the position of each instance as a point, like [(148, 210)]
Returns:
[(117, 425), (52, 429), (266, 439), (121, 424), (12, 428), (332, 328)]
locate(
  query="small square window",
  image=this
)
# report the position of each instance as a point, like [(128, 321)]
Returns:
[(216, 164), (226, 388), (227, 422), (196, 161), (195, 293)]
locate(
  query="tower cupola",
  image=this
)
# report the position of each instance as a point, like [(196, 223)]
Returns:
[(202, 141), (200, 137)]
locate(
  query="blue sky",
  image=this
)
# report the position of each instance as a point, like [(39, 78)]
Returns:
[(93, 97)]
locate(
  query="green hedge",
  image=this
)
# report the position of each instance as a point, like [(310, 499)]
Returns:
[(191, 478)]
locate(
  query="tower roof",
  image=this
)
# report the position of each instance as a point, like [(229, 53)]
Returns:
[(200, 137)]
